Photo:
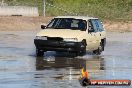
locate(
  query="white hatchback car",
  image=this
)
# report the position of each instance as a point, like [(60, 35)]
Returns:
[(74, 34)]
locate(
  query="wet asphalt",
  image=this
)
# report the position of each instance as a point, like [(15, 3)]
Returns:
[(20, 68)]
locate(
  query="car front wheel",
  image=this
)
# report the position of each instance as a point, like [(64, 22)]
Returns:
[(39, 52), (99, 50), (83, 51)]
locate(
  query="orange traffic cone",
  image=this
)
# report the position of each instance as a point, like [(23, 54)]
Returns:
[(84, 79)]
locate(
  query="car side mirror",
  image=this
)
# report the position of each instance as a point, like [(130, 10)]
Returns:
[(43, 26)]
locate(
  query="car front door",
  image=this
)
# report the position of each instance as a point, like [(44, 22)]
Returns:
[(93, 32)]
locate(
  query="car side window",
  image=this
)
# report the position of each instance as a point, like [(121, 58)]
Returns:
[(97, 25), (92, 26), (100, 26)]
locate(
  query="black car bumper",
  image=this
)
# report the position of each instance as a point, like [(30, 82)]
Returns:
[(49, 45)]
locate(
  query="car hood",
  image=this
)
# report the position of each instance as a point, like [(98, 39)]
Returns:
[(64, 33)]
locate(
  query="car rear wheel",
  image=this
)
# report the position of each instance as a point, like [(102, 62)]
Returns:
[(39, 52)]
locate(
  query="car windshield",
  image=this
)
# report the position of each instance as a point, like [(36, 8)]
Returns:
[(68, 23)]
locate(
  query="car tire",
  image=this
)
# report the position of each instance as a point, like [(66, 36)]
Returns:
[(99, 50), (83, 51), (74, 54), (39, 52), (103, 42)]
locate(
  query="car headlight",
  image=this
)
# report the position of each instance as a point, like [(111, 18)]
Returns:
[(70, 39), (41, 37)]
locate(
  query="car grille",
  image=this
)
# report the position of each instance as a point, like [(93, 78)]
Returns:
[(55, 38)]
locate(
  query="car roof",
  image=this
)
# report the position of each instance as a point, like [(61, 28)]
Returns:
[(77, 17)]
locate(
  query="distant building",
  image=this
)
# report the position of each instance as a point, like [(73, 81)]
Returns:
[(2, 3), (6, 10), (18, 11)]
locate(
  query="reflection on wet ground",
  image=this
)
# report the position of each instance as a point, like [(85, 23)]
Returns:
[(20, 68)]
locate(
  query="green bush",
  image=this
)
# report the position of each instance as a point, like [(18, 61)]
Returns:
[(105, 9)]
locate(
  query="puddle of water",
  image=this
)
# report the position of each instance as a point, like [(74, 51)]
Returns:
[(20, 68)]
